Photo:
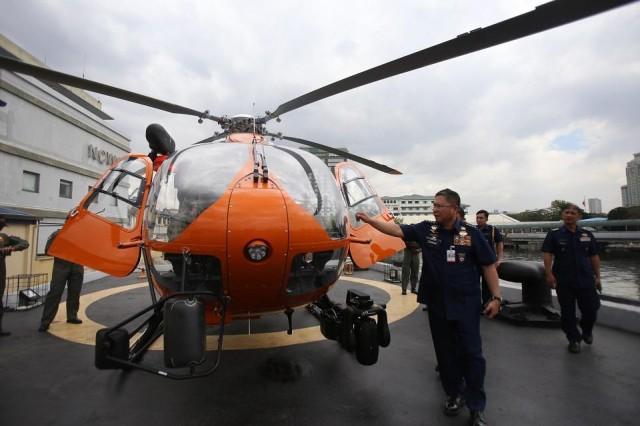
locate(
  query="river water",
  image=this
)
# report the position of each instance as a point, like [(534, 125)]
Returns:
[(620, 272)]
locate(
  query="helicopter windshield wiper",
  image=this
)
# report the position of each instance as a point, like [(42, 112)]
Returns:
[(542, 18), (345, 154)]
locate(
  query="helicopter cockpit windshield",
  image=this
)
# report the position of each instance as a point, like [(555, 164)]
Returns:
[(307, 180), (119, 195), (187, 184)]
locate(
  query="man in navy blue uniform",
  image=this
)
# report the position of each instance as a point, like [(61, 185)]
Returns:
[(494, 237), (453, 255), (575, 275)]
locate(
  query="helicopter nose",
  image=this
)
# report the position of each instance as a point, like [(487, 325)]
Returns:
[(257, 243)]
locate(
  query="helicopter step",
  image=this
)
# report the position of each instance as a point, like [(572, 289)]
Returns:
[(180, 318), (353, 326)]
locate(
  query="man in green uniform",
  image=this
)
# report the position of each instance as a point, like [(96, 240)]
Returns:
[(67, 274), (411, 266)]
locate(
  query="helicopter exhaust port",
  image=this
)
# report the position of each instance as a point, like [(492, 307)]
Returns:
[(353, 325)]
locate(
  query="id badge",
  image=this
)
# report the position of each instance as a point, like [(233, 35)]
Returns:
[(451, 255)]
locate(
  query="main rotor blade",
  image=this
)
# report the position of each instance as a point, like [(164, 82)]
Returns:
[(93, 86), (544, 17), (340, 152)]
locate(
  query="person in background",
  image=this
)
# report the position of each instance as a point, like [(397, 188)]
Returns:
[(410, 266), (575, 275), (453, 254), (67, 274), (494, 237), (8, 244), (461, 215)]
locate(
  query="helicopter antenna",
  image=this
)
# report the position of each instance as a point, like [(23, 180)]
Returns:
[(253, 115), (265, 168)]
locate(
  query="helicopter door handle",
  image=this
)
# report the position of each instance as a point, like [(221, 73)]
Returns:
[(136, 242), (355, 240)]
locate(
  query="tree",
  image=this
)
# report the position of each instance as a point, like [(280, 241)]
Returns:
[(624, 213), (557, 206), (532, 215), (554, 212), (618, 213)]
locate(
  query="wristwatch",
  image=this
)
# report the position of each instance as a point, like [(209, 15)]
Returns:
[(498, 298)]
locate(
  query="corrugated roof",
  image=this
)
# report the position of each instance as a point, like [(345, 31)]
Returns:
[(15, 214)]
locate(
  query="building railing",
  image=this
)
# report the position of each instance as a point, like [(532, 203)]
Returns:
[(596, 225), (25, 291)]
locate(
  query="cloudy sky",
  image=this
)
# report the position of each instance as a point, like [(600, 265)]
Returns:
[(552, 116)]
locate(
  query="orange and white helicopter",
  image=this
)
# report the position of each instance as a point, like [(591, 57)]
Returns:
[(235, 225)]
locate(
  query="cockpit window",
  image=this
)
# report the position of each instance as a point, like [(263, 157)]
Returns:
[(360, 196), (117, 198), (310, 183), (188, 183)]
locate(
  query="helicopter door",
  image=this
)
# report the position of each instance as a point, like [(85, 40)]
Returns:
[(368, 245), (104, 231)]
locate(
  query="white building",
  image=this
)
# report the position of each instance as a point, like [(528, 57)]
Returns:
[(595, 205), (409, 205), (624, 194), (53, 145), (631, 194), (329, 158)]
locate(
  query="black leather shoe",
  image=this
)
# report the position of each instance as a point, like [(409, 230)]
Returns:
[(453, 405), (5, 333), (477, 419), (574, 347), (74, 321), (588, 339), (43, 327), (404, 292), (413, 290)]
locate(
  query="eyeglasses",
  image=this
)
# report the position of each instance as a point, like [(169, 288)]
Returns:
[(441, 206)]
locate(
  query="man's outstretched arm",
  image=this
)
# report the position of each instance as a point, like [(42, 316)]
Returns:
[(389, 228)]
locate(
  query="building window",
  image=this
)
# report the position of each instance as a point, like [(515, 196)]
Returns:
[(66, 188), (30, 181)]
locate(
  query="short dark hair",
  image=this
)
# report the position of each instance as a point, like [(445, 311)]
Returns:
[(572, 206), (484, 212), (451, 196)]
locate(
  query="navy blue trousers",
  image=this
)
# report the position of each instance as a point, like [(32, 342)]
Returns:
[(458, 349), (588, 301)]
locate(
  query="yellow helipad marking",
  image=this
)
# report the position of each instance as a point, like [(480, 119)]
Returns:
[(398, 307)]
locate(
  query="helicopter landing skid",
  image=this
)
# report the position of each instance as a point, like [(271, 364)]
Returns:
[(180, 318), (353, 326)]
